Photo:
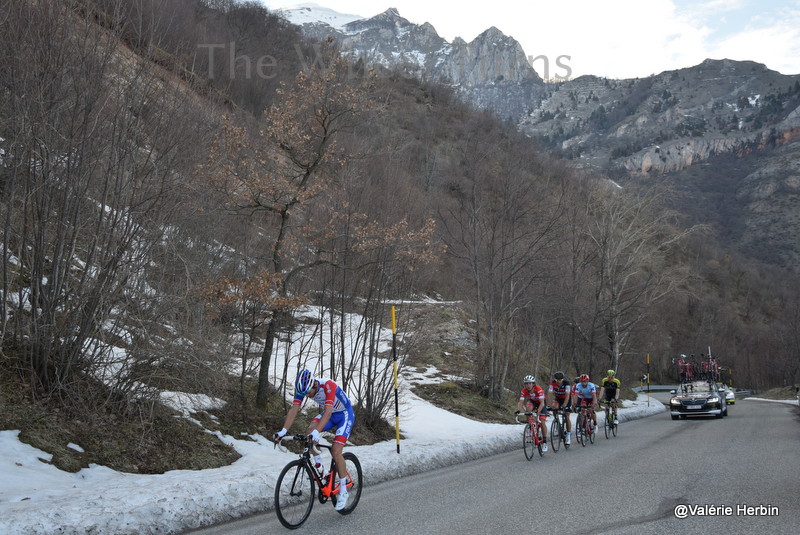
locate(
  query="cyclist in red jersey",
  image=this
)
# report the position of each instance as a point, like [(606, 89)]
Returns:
[(532, 396), (559, 395)]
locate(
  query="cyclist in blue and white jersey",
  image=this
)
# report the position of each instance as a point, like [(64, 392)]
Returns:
[(585, 395), (337, 413)]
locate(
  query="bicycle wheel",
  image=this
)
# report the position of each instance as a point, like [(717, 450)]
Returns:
[(613, 425), (541, 441), (607, 424), (580, 431), (354, 487), (528, 444), (294, 494), (591, 431), (555, 434)]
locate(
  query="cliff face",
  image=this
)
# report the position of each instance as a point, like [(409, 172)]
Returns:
[(668, 122), (491, 72)]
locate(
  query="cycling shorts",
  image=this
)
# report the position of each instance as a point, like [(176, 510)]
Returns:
[(542, 413), (342, 421), (565, 404)]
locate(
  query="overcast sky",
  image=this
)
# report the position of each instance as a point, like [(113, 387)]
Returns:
[(614, 38)]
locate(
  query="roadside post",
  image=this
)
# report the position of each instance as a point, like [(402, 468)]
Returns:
[(396, 397)]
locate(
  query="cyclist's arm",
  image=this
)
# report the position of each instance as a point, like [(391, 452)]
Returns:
[(291, 415)]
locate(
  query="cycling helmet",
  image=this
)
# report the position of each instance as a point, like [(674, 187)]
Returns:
[(611, 372), (558, 375), (304, 382), (529, 379), (584, 377)]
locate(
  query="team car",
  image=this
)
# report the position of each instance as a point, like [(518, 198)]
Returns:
[(730, 396), (698, 398)]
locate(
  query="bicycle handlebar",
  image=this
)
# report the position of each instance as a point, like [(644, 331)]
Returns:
[(300, 437)]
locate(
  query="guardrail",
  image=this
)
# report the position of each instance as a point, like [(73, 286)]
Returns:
[(655, 388), (667, 388)]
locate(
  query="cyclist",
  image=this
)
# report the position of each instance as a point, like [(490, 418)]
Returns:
[(533, 397), (559, 395), (585, 395), (609, 392), (337, 414)]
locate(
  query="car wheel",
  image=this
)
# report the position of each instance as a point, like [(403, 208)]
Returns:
[(674, 417)]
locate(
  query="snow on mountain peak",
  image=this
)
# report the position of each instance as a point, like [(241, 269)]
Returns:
[(310, 13)]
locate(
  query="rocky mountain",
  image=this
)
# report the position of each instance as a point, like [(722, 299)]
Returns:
[(491, 72), (725, 133)]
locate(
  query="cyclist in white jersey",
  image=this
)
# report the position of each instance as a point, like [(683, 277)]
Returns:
[(337, 414)]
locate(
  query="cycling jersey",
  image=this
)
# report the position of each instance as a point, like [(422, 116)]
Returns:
[(329, 394), (533, 396), (560, 390), (585, 392), (611, 385)]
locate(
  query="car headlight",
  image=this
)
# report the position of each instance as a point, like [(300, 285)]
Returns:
[(714, 399), (675, 401)]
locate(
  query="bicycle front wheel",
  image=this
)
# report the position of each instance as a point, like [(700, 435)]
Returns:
[(580, 431), (528, 445), (592, 431), (613, 426), (353, 485), (294, 494), (555, 434), (607, 425)]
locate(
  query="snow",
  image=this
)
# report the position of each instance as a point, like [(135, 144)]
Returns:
[(310, 13), (37, 498)]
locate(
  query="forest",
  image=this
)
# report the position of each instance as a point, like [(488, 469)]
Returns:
[(180, 178)]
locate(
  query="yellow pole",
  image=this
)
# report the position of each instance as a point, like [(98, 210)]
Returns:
[(394, 364)]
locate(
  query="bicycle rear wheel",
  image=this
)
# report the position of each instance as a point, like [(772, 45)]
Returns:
[(294, 494), (528, 444), (541, 441), (555, 434), (354, 487), (613, 425)]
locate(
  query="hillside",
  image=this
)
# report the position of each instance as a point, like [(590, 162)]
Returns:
[(173, 227), (677, 127)]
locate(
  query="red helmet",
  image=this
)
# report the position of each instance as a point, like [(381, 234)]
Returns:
[(584, 378)]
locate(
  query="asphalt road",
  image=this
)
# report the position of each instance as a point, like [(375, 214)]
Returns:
[(637, 483)]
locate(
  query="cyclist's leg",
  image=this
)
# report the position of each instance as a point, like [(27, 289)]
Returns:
[(542, 422), (343, 423)]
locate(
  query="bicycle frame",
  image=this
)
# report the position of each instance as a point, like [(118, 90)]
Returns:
[(558, 429), (326, 487), (535, 428)]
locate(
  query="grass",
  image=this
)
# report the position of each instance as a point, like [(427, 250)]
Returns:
[(460, 399), (784, 392)]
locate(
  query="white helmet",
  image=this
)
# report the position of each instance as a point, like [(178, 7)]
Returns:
[(529, 379)]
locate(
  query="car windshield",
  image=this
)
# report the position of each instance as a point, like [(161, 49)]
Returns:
[(698, 387)]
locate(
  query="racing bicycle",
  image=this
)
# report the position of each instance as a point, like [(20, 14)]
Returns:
[(558, 429), (531, 434), (584, 428), (295, 490), (608, 422)]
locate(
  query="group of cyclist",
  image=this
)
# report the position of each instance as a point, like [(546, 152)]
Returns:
[(690, 370), (337, 410), (569, 397)]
